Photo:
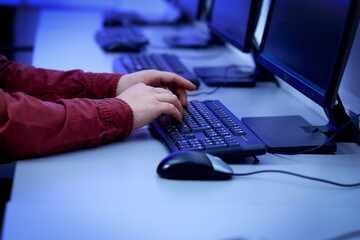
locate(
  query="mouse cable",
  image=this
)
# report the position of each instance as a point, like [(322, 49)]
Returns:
[(203, 92), (321, 145), (299, 175)]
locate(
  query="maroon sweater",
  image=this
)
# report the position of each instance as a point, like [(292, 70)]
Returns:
[(47, 111)]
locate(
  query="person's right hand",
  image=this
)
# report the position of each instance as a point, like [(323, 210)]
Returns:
[(175, 83), (149, 103)]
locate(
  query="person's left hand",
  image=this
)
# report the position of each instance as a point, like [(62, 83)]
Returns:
[(155, 78)]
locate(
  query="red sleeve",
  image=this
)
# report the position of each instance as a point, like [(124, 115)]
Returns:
[(51, 85), (30, 127)]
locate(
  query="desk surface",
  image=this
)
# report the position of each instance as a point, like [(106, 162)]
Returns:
[(113, 191)]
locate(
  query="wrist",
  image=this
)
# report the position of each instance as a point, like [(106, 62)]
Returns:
[(119, 88)]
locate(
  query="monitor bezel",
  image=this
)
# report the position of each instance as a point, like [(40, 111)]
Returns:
[(328, 98), (246, 46)]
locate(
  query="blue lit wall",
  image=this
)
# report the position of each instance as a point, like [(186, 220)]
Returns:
[(26, 12)]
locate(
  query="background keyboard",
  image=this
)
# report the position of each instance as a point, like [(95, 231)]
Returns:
[(121, 39), (210, 127), (133, 62)]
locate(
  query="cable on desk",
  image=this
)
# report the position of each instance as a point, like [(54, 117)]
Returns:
[(204, 93), (309, 150), (299, 175)]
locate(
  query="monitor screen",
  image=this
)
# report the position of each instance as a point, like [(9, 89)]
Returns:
[(191, 8), (349, 89), (235, 21), (306, 42)]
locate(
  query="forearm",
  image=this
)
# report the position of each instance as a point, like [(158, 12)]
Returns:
[(51, 85), (30, 127)]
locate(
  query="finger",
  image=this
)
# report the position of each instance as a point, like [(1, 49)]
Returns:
[(179, 99), (172, 99), (173, 80), (179, 92), (170, 109), (182, 95)]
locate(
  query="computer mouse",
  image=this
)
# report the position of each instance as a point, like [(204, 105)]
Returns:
[(192, 165)]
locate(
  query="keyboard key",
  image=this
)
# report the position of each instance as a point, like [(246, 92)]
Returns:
[(198, 148)]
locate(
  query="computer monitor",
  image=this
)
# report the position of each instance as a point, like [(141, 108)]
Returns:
[(235, 22), (306, 43), (161, 13), (191, 9), (195, 11), (349, 89)]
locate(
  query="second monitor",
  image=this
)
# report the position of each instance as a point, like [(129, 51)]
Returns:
[(234, 22), (195, 11), (307, 43)]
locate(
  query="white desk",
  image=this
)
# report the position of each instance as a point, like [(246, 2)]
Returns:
[(113, 191)]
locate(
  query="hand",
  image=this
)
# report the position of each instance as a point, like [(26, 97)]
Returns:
[(156, 78), (149, 103)]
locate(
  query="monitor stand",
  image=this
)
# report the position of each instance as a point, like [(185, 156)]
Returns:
[(289, 134), (233, 75), (292, 134), (192, 39), (189, 41), (337, 118)]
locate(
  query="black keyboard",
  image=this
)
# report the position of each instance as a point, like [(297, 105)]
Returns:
[(210, 127), (121, 39), (133, 62)]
